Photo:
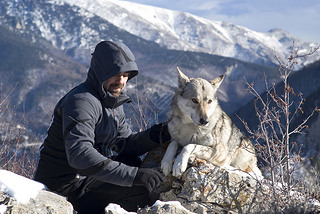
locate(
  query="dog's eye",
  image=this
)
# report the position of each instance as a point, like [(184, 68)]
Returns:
[(194, 100), (209, 101)]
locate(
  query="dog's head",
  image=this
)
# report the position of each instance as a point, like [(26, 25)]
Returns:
[(197, 97)]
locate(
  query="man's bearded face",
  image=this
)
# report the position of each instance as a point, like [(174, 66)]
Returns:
[(116, 83)]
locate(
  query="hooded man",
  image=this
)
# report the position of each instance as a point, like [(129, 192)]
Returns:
[(90, 154)]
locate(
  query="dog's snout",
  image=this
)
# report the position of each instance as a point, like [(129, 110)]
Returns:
[(204, 121)]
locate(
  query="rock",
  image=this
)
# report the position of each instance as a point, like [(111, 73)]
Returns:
[(205, 188), (20, 195), (165, 207), (45, 203)]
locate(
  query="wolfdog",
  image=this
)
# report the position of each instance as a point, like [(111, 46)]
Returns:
[(204, 130)]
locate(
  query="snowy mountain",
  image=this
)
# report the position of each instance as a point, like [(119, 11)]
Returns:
[(89, 22), (183, 31)]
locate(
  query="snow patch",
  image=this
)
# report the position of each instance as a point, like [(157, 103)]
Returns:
[(115, 208), (3, 208), (19, 187)]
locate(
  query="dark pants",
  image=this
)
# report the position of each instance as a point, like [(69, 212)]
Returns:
[(95, 196), (92, 196)]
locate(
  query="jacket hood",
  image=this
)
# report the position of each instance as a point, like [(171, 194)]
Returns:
[(109, 59)]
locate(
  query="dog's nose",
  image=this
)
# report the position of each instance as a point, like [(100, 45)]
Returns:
[(204, 121)]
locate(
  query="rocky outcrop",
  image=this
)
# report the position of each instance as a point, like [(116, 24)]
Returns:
[(45, 203), (161, 207), (20, 195), (205, 188)]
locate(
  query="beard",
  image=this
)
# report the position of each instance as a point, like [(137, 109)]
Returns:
[(116, 89)]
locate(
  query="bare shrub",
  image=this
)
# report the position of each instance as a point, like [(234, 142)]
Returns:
[(16, 155), (144, 114), (273, 137)]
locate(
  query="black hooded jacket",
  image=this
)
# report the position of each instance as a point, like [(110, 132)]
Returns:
[(87, 122)]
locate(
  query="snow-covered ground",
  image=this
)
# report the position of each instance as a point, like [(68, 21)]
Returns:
[(18, 187)]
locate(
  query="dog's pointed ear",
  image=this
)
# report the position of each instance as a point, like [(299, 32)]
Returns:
[(182, 79), (217, 81)]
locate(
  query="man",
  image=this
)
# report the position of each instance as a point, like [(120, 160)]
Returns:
[(90, 154)]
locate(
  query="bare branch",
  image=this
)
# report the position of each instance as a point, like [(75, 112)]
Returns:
[(273, 135)]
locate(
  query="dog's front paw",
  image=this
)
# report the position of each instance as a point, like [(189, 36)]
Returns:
[(179, 167), (166, 167)]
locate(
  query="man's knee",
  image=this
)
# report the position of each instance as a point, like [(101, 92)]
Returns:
[(97, 198)]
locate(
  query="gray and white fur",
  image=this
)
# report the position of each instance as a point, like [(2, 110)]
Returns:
[(199, 125)]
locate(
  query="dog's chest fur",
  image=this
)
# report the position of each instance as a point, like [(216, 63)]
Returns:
[(184, 131), (189, 133)]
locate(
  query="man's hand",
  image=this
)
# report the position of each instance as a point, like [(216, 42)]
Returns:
[(148, 178), (159, 133)]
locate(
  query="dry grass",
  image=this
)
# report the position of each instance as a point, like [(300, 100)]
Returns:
[(16, 153)]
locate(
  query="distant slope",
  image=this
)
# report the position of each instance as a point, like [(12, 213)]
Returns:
[(37, 77), (17, 56)]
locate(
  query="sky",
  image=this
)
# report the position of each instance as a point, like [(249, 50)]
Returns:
[(298, 17)]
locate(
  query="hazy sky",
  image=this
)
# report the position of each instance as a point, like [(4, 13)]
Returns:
[(299, 17)]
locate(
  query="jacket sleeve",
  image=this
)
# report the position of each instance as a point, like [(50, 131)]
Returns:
[(133, 144), (79, 118)]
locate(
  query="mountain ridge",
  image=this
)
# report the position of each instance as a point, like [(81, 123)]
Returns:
[(184, 31)]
